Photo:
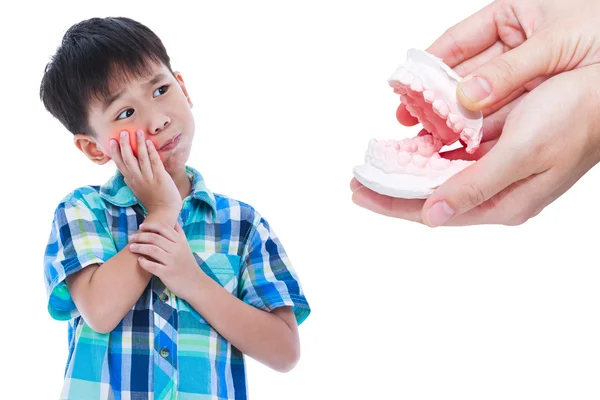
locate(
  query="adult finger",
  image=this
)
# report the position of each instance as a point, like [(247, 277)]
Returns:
[(409, 209), (354, 184), (497, 106), (501, 76), (493, 124), (473, 186), (514, 205), (467, 38), (471, 64)]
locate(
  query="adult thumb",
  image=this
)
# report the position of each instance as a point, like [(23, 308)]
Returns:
[(470, 187), (501, 76)]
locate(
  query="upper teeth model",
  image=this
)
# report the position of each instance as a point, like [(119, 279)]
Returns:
[(413, 168)]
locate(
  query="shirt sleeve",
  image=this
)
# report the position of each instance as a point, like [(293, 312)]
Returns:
[(268, 280), (78, 238)]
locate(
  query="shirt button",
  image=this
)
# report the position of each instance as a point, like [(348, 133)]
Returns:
[(164, 353), (164, 297)]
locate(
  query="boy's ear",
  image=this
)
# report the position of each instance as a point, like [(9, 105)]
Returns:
[(183, 88), (90, 148)]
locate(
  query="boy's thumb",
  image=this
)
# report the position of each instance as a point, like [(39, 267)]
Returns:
[(501, 76)]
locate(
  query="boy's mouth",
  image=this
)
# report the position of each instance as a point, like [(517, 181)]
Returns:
[(171, 144)]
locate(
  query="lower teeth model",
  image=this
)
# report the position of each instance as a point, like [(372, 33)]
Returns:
[(413, 168)]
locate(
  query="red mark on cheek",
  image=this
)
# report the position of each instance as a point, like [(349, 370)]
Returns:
[(132, 138)]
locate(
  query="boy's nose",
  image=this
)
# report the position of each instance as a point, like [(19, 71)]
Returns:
[(160, 124)]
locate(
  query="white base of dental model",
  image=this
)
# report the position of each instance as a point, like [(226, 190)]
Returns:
[(413, 168)]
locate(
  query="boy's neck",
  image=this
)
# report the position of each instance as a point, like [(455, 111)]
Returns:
[(183, 183)]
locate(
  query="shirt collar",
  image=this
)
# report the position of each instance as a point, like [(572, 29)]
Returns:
[(118, 193)]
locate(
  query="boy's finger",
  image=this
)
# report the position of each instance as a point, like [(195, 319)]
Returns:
[(127, 155), (163, 230), (151, 238), (143, 158), (467, 38), (115, 154), (150, 250), (153, 267), (155, 161)]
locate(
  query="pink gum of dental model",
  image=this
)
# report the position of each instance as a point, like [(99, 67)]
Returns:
[(417, 156), (427, 87), (413, 168)]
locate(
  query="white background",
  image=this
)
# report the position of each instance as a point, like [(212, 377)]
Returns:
[(287, 96)]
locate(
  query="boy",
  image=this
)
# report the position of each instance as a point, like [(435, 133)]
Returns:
[(166, 309)]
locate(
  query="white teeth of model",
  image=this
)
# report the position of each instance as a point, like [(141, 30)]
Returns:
[(429, 96), (412, 168), (419, 160), (403, 158), (441, 108), (406, 79), (439, 163), (416, 86), (426, 150), (390, 154)]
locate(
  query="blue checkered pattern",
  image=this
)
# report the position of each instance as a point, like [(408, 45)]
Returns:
[(163, 348)]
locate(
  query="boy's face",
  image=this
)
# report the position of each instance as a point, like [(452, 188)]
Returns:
[(158, 104)]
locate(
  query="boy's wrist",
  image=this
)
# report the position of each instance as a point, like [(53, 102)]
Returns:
[(166, 217)]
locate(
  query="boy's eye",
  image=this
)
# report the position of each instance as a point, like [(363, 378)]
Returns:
[(162, 90), (126, 114)]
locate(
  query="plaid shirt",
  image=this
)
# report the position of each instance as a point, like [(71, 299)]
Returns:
[(163, 348)]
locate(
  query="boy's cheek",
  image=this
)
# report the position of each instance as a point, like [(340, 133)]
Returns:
[(132, 138)]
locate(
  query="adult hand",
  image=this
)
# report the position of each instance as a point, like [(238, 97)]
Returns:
[(146, 176), (510, 47), (550, 139)]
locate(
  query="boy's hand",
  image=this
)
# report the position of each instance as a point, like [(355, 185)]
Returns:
[(146, 175), (174, 263)]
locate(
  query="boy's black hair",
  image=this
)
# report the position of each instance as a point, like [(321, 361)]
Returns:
[(94, 54)]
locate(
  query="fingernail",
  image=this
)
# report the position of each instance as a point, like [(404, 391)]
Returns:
[(141, 225), (439, 213), (123, 134), (139, 134), (475, 89)]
